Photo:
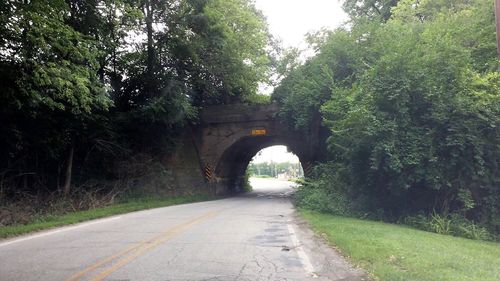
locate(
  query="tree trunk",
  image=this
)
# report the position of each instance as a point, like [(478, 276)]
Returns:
[(69, 170), (497, 23), (150, 48)]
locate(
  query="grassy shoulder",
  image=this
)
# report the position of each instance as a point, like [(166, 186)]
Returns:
[(394, 252), (261, 176), (131, 205)]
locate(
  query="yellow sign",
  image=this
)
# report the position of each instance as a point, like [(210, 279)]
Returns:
[(259, 132)]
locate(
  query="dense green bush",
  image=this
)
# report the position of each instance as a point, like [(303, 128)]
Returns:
[(414, 113), (450, 225), (313, 195), (325, 192)]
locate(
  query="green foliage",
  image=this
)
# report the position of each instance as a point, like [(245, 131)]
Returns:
[(56, 65), (414, 112), (440, 224), (307, 87), (473, 231), (111, 80), (257, 99), (313, 195), (370, 9), (59, 67), (271, 169), (310, 196), (247, 187), (261, 176), (450, 225), (240, 60)]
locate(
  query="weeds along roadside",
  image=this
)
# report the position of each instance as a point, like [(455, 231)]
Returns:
[(318, 195), (33, 212)]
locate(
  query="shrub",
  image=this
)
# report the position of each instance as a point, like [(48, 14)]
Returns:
[(454, 224), (324, 193), (247, 187)]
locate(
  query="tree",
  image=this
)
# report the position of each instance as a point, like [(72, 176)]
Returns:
[(54, 79), (107, 79), (228, 51), (371, 9), (412, 105)]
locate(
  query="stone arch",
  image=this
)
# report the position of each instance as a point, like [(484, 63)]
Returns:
[(228, 136)]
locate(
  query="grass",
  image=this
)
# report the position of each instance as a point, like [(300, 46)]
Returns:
[(394, 252), (131, 205), (261, 176)]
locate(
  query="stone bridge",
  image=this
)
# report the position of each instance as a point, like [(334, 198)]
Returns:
[(229, 136)]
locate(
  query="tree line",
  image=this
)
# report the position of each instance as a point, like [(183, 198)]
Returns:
[(85, 83), (273, 169), (410, 92)]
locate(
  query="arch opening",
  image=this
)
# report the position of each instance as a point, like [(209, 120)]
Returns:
[(275, 162), (232, 166)]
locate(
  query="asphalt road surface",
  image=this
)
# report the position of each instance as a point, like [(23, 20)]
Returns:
[(252, 237)]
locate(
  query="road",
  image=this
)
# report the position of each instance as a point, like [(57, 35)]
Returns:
[(252, 237)]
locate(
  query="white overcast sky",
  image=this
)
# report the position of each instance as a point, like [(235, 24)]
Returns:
[(291, 20)]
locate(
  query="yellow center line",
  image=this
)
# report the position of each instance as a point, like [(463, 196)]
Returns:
[(140, 249)]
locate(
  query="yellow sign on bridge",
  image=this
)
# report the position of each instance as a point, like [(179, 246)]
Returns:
[(259, 132)]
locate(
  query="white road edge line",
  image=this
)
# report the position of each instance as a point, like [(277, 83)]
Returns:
[(64, 229), (306, 262)]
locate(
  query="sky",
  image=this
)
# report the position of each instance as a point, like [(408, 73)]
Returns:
[(276, 153), (291, 20)]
